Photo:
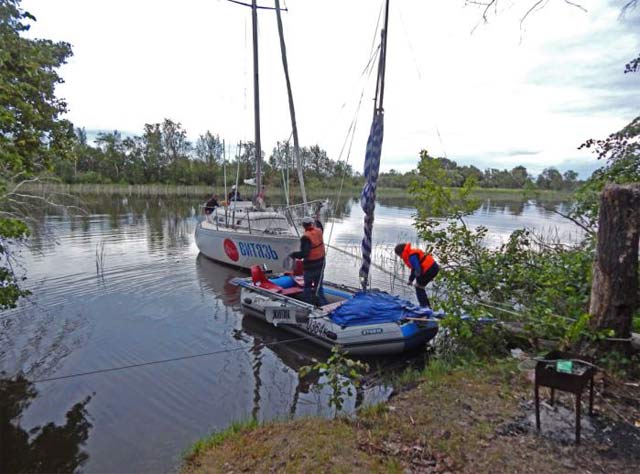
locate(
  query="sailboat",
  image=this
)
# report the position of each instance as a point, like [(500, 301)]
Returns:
[(246, 233), (360, 320)]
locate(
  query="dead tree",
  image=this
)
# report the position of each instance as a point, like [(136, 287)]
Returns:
[(614, 291)]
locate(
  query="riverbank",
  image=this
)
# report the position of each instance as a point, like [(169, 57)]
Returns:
[(472, 419), (273, 194)]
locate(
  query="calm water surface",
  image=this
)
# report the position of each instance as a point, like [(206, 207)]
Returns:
[(155, 298)]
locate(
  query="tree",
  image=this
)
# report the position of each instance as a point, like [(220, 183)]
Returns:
[(520, 176), (209, 149), (48, 448), (570, 179), (615, 295), (316, 162), (113, 159), (31, 132), (246, 159), (152, 150), (550, 178), (613, 299), (174, 141)]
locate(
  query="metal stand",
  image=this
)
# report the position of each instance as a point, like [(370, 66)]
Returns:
[(548, 376)]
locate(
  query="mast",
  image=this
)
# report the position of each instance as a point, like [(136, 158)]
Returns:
[(382, 65), (292, 110), (256, 96)]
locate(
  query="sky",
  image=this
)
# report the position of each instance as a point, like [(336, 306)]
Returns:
[(494, 95)]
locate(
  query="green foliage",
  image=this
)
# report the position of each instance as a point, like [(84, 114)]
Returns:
[(435, 194), (621, 151), (31, 133), (11, 230), (340, 374), (620, 364), (457, 176), (543, 284)]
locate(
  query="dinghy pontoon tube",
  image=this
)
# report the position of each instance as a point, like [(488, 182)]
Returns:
[(362, 323)]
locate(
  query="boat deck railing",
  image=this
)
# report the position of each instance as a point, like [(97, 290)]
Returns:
[(286, 220), (296, 212)]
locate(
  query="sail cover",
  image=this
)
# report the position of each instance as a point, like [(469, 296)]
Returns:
[(375, 307), (368, 196)]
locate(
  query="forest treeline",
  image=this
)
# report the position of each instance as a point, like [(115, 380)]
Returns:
[(164, 154)]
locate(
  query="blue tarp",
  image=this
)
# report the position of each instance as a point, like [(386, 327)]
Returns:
[(371, 307)]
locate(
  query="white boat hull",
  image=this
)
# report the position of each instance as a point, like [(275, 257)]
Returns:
[(243, 249)]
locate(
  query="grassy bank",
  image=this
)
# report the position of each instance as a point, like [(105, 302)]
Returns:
[(453, 420), (273, 193)]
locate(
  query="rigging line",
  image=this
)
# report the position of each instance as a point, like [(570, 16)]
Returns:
[(258, 7), (163, 361), (352, 130), (373, 55), (418, 69), (375, 33), (406, 34), (441, 142), (353, 255), (366, 69), (175, 359)]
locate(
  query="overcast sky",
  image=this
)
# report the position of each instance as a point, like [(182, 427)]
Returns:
[(494, 96)]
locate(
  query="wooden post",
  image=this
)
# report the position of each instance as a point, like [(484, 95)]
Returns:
[(614, 290)]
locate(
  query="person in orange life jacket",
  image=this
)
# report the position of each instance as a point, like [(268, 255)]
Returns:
[(312, 252), (423, 267)]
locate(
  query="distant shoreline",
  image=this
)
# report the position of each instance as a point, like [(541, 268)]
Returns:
[(273, 193)]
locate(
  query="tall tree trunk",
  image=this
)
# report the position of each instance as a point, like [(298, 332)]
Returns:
[(614, 291)]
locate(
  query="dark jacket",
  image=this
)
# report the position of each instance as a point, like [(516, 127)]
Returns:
[(234, 196), (210, 205)]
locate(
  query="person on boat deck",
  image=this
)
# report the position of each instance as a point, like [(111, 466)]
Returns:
[(234, 195), (423, 267), (260, 198), (211, 204), (312, 252)]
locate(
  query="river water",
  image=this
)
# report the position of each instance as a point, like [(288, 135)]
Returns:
[(123, 287)]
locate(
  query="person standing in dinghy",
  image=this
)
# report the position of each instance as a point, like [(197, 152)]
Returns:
[(313, 254), (423, 267)]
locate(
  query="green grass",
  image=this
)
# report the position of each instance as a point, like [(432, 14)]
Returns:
[(218, 437), (373, 410)]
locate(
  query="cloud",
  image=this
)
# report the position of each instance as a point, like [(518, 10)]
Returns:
[(488, 98)]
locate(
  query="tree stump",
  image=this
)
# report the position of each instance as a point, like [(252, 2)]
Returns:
[(614, 290)]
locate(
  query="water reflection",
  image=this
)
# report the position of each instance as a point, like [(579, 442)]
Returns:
[(262, 337), (156, 299), (41, 449)]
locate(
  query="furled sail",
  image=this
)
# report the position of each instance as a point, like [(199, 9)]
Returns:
[(372, 157), (368, 195)]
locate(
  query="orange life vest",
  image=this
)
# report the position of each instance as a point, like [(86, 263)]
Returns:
[(317, 245), (426, 260)]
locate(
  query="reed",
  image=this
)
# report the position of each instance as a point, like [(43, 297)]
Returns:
[(273, 192), (100, 254)]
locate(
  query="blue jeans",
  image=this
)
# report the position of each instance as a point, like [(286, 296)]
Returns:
[(312, 281), (423, 280)]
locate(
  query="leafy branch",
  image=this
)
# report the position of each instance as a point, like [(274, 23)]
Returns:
[(340, 374)]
